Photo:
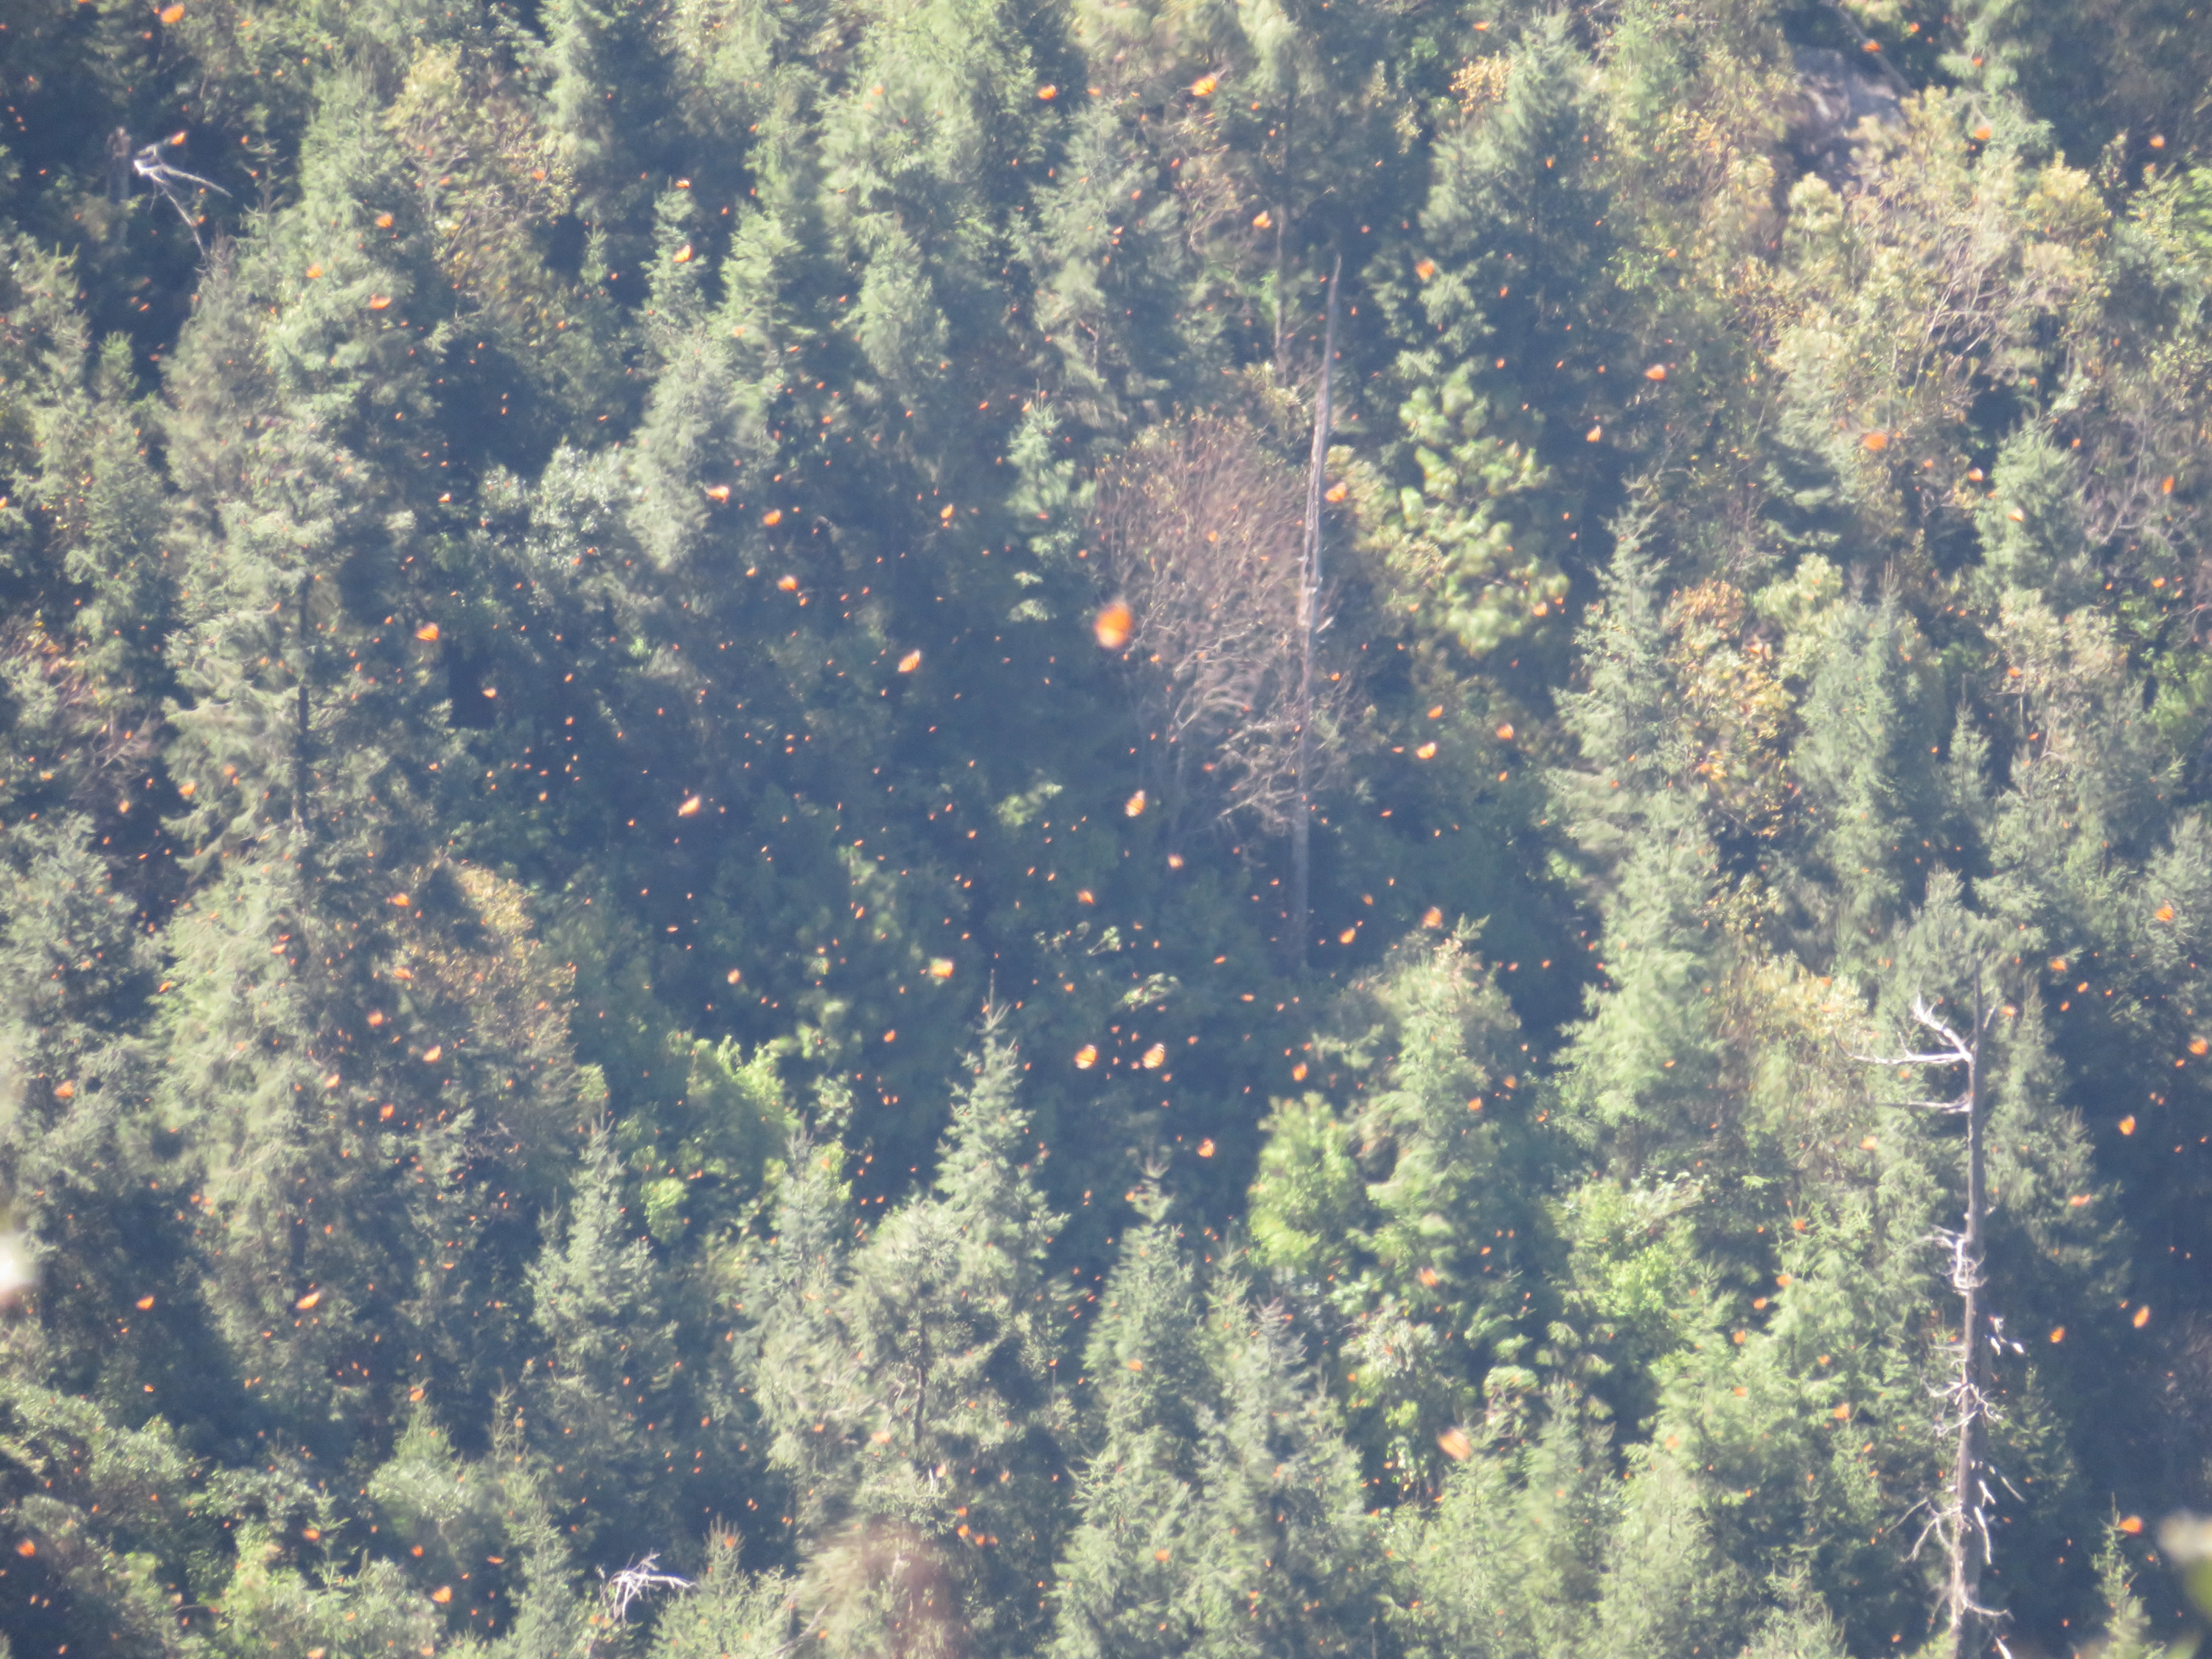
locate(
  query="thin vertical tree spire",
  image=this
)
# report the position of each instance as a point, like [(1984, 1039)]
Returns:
[(1309, 610)]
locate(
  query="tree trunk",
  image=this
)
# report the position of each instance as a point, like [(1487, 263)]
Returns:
[(302, 761), (1308, 606), (1968, 1529)]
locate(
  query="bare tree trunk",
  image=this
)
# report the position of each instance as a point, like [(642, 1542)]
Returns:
[(1961, 1522), (1282, 304), (301, 760), (1309, 609), (1282, 230), (1968, 1526)]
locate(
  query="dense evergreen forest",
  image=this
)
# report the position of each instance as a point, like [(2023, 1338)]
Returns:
[(706, 950)]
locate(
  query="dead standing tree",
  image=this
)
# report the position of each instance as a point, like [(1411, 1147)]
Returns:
[(1308, 629), (1961, 1523), (1201, 530)]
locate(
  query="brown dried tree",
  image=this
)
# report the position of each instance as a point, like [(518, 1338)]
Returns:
[(1201, 530)]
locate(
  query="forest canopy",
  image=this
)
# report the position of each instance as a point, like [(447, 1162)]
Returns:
[(752, 903)]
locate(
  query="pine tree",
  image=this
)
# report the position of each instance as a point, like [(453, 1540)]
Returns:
[(913, 1405), (1124, 1584), (1490, 515), (1510, 1560), (1418, 1245), (606, 1379), (1283, 1553), (1866, 761), (1643, 1064)]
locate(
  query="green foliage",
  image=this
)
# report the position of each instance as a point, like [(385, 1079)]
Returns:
[(558, 647)]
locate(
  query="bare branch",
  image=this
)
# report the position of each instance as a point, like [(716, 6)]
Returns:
[(641, 1576), (1199, 530)]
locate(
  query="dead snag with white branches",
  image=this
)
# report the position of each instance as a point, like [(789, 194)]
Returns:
[(1200, 532), (1960, 1524)]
